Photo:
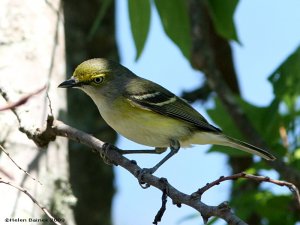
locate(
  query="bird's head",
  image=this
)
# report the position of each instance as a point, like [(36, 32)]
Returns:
[(97, 76)]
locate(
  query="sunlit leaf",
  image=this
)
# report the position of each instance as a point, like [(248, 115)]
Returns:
[(213, 221), (175, 21), (140, 15), (297, 154), (222, 14), (286, 86)]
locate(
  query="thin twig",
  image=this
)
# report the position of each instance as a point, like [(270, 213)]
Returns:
[(6, 173), (4, 95), (21, 101), (291, 186), (33, 200), (163, 207), (50, 104), (53, 53), (16, 164)]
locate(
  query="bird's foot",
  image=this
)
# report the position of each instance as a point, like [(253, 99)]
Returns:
[(141, 174), (103, 154)]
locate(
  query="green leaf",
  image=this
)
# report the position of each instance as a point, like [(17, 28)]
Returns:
[(286, 86), (275, 208), (140, 15), (286, 78), (222, 14), (242, 199), (297, 154), (175, 21), (221, 117), (213, 221), (266, 120)]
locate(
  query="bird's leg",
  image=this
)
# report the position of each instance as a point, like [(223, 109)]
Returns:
[(157, 150), (174, 146)]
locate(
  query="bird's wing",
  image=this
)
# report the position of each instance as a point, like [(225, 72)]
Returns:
[(164, 102)]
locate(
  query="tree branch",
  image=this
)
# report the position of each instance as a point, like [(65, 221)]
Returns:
[(57, 128), (110, 153), (114, 156), (21, 101), (290, 186), (17, 165)]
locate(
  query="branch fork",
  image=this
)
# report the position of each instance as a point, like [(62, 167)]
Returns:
[(113, 155)]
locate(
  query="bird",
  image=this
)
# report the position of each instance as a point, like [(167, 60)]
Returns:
[(147, 113)]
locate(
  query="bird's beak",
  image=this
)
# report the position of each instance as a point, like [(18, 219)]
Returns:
[(69, 83)]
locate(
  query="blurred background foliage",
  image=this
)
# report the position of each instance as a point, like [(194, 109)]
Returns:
[(277, 123)]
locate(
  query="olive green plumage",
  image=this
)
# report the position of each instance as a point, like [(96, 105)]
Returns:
[(146, 112)]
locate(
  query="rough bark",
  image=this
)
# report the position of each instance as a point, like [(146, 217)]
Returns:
[(210, 53), (32, 56), (89, 36)]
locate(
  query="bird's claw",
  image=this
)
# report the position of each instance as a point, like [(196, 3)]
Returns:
[(103, 153), (140, 176)]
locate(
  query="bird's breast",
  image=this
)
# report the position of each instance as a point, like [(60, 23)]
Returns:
[(143, 126)]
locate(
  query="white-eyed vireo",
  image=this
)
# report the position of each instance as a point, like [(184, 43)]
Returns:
[(147, 113)]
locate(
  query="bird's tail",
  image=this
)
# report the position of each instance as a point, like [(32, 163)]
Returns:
[(234, 143), (221, 139)]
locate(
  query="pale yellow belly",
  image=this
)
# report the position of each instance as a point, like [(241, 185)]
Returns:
[(146, 127)]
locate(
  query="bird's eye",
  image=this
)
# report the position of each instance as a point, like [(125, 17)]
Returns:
[(98, 80)]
